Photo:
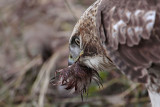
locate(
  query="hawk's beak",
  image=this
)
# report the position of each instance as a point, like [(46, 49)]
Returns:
[(72, 61)]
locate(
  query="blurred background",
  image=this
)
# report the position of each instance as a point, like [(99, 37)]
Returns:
[(34, 38)]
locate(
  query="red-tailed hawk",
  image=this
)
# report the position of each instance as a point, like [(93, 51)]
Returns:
[(125, 33)]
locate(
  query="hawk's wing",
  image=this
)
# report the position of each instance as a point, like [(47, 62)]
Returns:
[(130, 30)]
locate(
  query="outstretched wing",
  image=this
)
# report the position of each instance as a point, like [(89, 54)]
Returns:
[(130, 30)]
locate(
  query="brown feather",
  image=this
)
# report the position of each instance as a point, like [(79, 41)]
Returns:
[(133, 52), (77, 77)]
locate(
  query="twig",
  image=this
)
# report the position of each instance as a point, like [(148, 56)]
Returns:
[(70, 9), (114, 100), (109, 83), (144, 99), (39, 78), (17, 81), (31, 64), (43, 78), (129, 90), (5, 89), (50, 65)]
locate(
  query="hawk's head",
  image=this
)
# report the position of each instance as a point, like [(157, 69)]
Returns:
[(84, 43)]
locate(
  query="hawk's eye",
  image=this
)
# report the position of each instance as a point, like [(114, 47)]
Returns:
[(77, 41)]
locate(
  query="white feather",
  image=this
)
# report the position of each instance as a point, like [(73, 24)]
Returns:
[(128, 14), (138, 29), (116, 28), (137, 12), (155, 98), (130, 31), (95, 62), (150, 16)]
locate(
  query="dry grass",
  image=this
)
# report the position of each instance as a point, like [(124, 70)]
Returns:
[(34, 43)]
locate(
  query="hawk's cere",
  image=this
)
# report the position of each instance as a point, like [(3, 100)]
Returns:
[(125, 33)]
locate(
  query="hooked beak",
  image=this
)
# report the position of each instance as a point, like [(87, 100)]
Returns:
[(72, 61)]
